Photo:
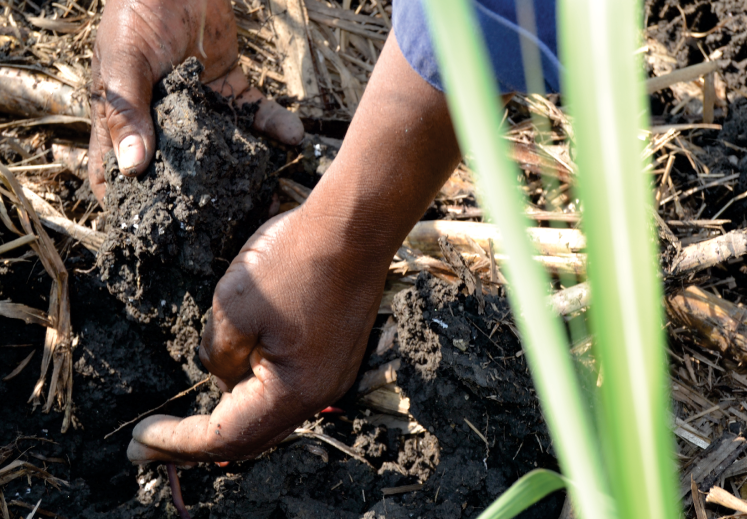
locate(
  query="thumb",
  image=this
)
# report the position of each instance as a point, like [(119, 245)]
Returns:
[(246, 422), (122, 89)]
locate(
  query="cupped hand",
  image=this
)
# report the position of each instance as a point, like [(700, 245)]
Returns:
[(289, 327), (138, 43)]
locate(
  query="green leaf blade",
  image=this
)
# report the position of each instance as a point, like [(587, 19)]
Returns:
[(603, 87), (526, 491), (472, 97)]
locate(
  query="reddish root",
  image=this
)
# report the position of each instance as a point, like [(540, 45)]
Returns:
[(176, 491)]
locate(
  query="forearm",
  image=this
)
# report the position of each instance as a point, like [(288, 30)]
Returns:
[(399, 150)]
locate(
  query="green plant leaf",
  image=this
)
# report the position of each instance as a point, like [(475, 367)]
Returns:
[(529, 489), (473, 102), (603, 87)]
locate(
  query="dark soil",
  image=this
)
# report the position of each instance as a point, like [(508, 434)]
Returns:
[(724, 154), (487, 384), (716, 28), (726, 18), (137, 322), (122, 368), (175, 228)]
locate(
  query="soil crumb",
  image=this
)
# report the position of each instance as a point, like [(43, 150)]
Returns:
[(175, 228)]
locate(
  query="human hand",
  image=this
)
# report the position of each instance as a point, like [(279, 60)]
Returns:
[(138, 43), (289, 327), (292, 315)]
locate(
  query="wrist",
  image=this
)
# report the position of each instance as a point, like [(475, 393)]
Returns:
[(359, 216), (399, 150)]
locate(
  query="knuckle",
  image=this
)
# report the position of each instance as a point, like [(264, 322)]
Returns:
[(120, 106), (308, 396), (222, 292), (215, 443), (223, 441), (225, 353), (204, 353)]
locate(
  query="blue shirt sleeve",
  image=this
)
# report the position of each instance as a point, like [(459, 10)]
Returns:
[(497, 19)]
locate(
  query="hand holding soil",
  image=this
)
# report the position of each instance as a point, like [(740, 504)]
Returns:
[(138, 43), (283, 341), (292, 315)]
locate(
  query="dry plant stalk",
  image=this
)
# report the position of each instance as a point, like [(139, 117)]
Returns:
[(686, 74), (25, 313), (709, 97), (379, 377), (18, 242), (294, 190), (301, 431), (526, 156), (19, 368), (408, 261), (289, 22), (720, 323), (709, 253), (698, 503), (351, 87), (19, 468), (34, 94), (551, 242), (571, 299), (58, 340), (4, 506), (721, 497), (53, 219), (89, 238)]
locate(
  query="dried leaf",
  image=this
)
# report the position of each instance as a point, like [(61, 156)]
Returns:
[(54, 25), (25, 313), (20, 367)]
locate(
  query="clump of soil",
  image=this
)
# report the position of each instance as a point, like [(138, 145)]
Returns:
[(175, 228), (462, 366)]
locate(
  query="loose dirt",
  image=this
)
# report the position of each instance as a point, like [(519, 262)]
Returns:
[(123, 367), (688, 28)]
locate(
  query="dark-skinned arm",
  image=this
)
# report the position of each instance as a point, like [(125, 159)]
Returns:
[(292, 315)]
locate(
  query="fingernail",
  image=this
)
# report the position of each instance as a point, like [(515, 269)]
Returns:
[(131, 154)]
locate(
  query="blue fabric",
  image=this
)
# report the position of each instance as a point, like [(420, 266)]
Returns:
[(498, 21)]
